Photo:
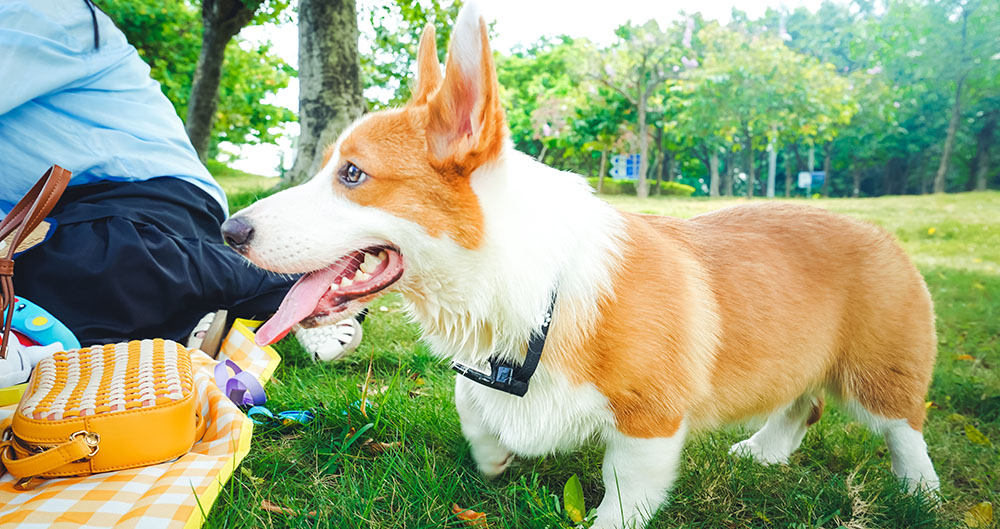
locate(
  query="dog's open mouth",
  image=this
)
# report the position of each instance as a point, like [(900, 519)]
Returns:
[(358, 275)]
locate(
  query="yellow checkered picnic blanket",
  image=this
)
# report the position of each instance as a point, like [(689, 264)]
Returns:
[(175, 494)]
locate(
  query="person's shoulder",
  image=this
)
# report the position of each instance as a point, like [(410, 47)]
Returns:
[(68, 23)]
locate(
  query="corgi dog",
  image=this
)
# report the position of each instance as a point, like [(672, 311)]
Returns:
[(658, 326)]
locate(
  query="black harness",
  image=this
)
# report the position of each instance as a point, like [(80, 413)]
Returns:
[(509, 377)]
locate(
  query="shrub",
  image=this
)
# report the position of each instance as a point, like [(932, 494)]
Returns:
[(614, 186), (676, 188)]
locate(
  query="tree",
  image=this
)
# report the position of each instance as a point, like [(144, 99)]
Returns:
[(965, 9), (161, 31), (330, 90), (601, 119), (642, 59), (390, 34), (222, 20), (709, 121)]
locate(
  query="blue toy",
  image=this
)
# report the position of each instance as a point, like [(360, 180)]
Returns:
[(41, 327)]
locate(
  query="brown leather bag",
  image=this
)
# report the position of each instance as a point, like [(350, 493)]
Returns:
[(22, 219)]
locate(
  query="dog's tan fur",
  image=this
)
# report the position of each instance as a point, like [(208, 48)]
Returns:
[(734, 313)]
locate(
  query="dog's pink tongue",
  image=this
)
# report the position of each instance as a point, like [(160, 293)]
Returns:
[(299, 303)]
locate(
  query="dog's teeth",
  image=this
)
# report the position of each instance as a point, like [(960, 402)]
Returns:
[(382, 256), (369, 264), (361, 276), (346, 282)]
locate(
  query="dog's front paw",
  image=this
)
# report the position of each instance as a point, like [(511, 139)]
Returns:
[(610, 517), (762, 454), (492, 460)]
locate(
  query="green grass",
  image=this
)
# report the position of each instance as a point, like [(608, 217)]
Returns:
[(840, 476), (242, 188)]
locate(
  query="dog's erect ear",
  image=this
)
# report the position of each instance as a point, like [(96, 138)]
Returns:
[(466, 125), (428, 68)]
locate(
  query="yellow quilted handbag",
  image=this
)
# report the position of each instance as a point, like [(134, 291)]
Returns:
[(103, 408)]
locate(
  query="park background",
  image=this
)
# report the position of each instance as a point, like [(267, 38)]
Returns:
[(897, 101)]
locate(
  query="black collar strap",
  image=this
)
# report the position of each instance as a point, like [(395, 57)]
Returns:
[(509, 377)]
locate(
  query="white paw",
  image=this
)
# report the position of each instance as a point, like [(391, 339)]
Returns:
[(492, 469), (924, 484), (606, 520), (492, 460), (762, 454)]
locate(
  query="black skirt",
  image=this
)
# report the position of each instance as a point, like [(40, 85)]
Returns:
[(132, 260)]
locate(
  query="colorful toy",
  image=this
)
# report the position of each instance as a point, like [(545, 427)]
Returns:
[(21, 359), (36, 324)]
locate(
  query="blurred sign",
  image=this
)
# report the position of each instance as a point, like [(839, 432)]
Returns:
[(625, 166), (805, 180), (815, 178)]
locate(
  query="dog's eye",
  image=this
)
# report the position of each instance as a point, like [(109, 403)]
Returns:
[(352, 175)]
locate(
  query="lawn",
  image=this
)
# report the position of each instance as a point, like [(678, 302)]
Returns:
[(418, 464)]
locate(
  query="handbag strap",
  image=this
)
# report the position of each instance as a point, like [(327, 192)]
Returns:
[(81, 445), (22, 219)]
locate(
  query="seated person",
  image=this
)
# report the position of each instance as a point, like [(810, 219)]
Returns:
[(137, 251)]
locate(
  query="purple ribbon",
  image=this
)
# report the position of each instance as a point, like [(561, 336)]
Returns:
[(242, 388)]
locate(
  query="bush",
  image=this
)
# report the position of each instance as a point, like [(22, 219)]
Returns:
[(676, 189), (614, 186)]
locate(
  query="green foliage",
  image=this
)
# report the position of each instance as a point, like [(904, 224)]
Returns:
[(167, 35), (391, 32), (542, 94), (872, 88), (573, 500)]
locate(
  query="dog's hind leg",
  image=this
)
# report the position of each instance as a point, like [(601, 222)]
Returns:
[(910, 460), (638, 473), (491, 457), (883, 385), (783, 431)]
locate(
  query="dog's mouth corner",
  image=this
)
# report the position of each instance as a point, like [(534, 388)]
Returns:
[(358, 276)]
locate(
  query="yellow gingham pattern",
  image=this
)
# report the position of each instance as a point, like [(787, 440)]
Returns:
[(158, 496)]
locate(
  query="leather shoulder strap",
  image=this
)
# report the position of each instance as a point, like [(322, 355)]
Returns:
[(29, 212), (22, 219)]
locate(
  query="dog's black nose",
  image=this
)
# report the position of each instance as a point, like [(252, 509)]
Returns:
[(237, 233)]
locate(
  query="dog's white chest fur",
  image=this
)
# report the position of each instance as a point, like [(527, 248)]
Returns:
[(554, 415)]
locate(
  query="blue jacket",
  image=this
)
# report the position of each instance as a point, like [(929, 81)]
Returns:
[(93, 110)]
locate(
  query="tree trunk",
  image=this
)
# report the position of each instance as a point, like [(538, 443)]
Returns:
[(666, 170), (643, 188), (949, 141), (750, 176), (856, 176), (772, 162), (222, 20), (329, 80), (541, 155), (812, 157), (984, 141), (660, 162), (730, 173), (658, 169), (600, 178), (789, 172), (827, 154), (713, 174), (663, 171)]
